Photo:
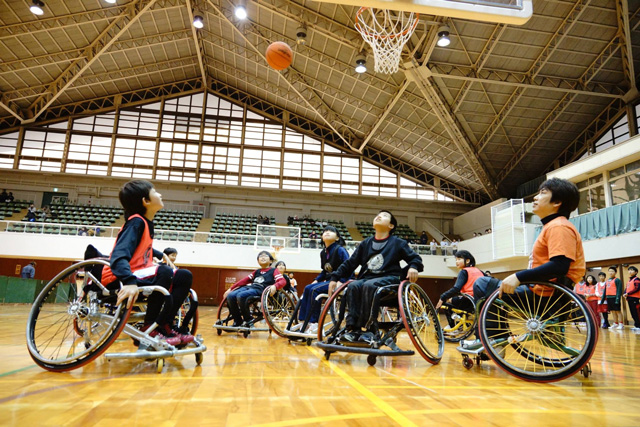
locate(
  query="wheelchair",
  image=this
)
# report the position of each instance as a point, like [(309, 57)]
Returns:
[(542, 336), (264, 309), (283, 319), (464, 319), (75, 319), (395, 308)]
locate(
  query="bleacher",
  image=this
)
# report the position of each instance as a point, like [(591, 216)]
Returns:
[(318, 225), (7, 209), (235, 229), (101, 216)]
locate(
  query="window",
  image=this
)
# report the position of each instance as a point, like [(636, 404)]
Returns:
[(8, 145), (624, 183), (42, 150), (591, 194)]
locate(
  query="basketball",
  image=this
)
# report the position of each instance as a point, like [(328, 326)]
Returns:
[(279, 55)]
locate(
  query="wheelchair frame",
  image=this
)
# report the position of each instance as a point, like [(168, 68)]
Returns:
[(223, 320), (90, 312), (415, 314), (550, 331), (465, 326)]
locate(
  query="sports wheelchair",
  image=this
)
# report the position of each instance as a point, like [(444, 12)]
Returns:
[(394, 308), (283, 319), (264, 309), (75, 319), (542, 336), (464, 318)]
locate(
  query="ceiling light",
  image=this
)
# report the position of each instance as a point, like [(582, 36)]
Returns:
[(36, 7), (110, 1), (240, 12), (443, 37), (301, 35), (361, 64), (197, 21)]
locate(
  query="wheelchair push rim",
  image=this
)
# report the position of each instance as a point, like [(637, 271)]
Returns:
[(539, 339), (277, 310), (332, 307), (69, 327), (421, 321), (465, 327)]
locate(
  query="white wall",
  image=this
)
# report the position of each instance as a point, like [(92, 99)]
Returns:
[(477, 220), (44, 246)]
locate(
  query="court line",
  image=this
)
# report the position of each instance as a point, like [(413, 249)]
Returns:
[(519, 411), (316, 420), (515, 387), (381, 404), (16, 371)]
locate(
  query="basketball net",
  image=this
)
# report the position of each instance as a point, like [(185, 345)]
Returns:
[(276, 251), (386, 31)]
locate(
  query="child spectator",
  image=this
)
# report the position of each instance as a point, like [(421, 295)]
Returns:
[(612, 294), (332, 256), (379, 259), (252, 286), (581, 289), (131, 263), (632, 294), (592, 297), (602, 306)]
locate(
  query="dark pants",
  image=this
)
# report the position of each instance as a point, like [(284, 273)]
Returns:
[(178, 284), (237, 302), (360, 295), (308, 304), (634, 305)]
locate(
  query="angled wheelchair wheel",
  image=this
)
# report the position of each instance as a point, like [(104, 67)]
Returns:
[(187, 317), (71, 323), (333, 315), (465, 321), (224, 316), (538, 338), (278, 310), (421, 321)]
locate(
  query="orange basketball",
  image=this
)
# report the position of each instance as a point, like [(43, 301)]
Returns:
[(279, 55)]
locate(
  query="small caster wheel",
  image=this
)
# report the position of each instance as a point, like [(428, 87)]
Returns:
[(467, 362), (586, 370), (371, 359), (309, 341), (219, 331), (327, 355), (159, 365), (245, 334), (199, 358)]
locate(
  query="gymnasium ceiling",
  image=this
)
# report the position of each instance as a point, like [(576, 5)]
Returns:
[(498, 107)]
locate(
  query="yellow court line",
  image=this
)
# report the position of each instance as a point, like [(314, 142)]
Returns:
[(381, 404), (315, 420), (519, 410)]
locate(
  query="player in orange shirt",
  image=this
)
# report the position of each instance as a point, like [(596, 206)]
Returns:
[(557, 252)]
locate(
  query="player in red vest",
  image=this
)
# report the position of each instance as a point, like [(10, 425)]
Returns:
[(602, 305), (612, 294), (632, 294), (592, 297), (464, 285), (581, 289)]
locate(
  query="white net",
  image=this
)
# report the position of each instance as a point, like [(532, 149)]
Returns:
[(386, 31)]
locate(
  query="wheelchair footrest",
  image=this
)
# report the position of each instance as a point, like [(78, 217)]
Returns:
[(302, 335), (160, 354), (363, 350), (475, 351)]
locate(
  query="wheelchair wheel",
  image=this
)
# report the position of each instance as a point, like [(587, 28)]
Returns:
[(71, 323), (224, 316), (464, 323), (333, 314), (538, 338), (189, 312), (421, 321), (278, 310)]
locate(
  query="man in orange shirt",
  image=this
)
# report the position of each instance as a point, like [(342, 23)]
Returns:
[(557, 252)]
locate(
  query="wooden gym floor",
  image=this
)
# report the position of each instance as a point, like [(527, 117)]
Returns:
[(265, 381)]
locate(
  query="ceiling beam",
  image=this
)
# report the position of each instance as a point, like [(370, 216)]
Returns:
[(556, 39), (114, 30), (469, 75), (624, 33), (558, 109), (197, 41), (448, 120)]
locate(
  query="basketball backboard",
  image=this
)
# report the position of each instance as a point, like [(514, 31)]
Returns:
[(514, 12)]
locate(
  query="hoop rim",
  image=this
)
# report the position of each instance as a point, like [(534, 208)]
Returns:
[(379, 36)]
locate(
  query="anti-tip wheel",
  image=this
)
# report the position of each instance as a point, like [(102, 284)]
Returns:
[(327, 355), (467, 362), (219, 331), (245, 334), (309, 341), (586, 370), (159, 365), (199, 358), (371, 359)]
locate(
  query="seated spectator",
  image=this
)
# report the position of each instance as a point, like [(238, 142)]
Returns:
[(31, 213), (83, 231), (424, 239), (3, 196), (10, 198)]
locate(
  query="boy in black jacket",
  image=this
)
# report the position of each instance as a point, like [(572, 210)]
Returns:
[(379, 259)]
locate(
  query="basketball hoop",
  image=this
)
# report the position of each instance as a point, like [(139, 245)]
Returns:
[(386, 31), (276, 251)]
